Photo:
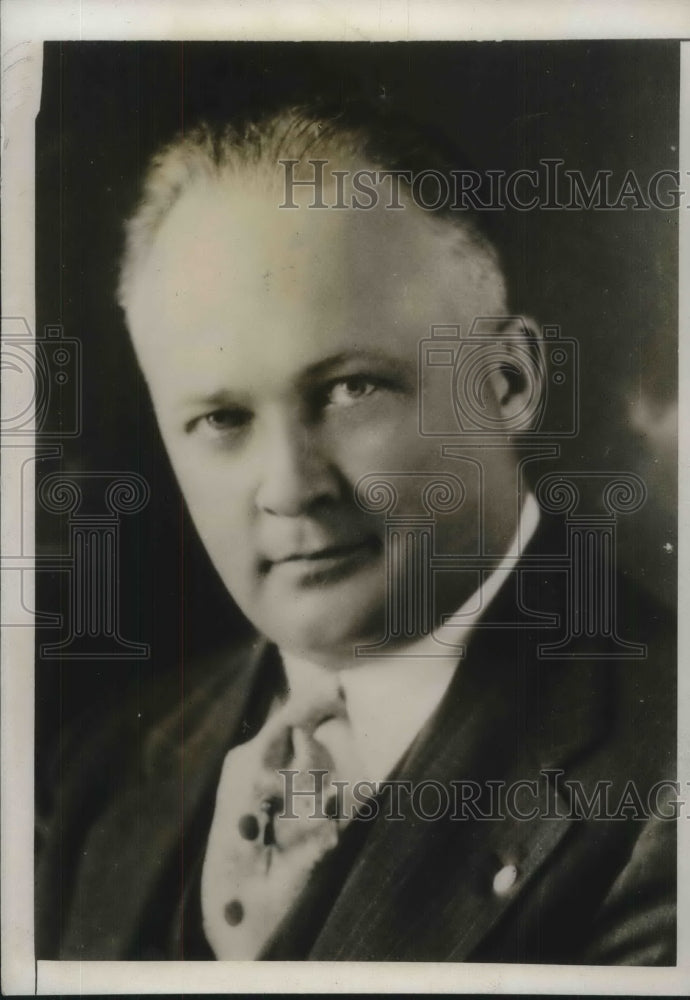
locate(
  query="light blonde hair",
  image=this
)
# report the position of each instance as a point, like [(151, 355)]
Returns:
[(208, 153)]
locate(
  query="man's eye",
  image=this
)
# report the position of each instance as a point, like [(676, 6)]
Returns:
[(221, 422), (347, 391)]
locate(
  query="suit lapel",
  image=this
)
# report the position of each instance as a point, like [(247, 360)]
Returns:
[(145, 828), (424, 889)]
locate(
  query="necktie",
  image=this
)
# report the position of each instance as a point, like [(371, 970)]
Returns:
[(270, 829)]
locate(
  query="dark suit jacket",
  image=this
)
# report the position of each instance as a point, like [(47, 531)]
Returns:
[(118, 874)]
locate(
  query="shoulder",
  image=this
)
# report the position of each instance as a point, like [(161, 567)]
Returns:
[(149, 713), (139, 744)]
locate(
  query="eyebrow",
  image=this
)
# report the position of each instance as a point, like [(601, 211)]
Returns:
[(320, 369), (330, 365), (219, 398)]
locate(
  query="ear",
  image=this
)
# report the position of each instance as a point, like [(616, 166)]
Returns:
[(518, 373)]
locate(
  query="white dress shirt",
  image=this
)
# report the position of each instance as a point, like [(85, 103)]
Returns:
[(389, 700)]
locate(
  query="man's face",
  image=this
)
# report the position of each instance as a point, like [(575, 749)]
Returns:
[(281, 350)]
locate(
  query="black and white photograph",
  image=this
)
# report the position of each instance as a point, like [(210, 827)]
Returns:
[(344, 452)]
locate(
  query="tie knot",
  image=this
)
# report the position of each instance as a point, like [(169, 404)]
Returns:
[(290, 734), (310, 716), (315, 696)]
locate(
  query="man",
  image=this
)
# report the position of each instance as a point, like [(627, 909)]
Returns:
[(277, 311)]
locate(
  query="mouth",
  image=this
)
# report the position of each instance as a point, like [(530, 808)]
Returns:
[(329, 552), (329, 563)]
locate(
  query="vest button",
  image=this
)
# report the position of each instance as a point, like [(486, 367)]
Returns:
[(249, 826), (234, 911)]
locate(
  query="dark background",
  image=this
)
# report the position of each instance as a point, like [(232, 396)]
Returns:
[(608, 278)]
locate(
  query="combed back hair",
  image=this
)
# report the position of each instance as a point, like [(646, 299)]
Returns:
[(353, 134)]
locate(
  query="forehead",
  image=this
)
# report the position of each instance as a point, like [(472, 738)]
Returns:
[(228, 265), (239, 218)]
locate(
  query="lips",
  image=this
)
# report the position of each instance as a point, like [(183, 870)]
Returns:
[(330, 552), (326, 557)]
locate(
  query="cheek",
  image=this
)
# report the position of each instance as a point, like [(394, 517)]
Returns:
[(221, 525), (227, 536), (400, 448), (217, 500), (381, 440)]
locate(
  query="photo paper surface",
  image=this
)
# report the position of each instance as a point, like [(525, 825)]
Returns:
[(340, 440)]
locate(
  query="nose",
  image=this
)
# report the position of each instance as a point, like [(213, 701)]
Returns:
[(295, 474)]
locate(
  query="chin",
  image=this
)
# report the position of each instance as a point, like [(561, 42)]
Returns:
[(328, 632)]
